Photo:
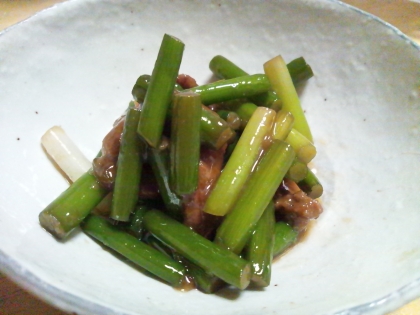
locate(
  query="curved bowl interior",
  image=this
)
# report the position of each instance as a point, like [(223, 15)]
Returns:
[(74, 65)]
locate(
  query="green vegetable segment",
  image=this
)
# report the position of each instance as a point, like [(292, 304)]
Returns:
[(235, 230), (136, 221), (103, 208), (284, 237), (283, 125), (226, 90), (231, 118), (185, 143), (135, 250), (281, 82), (259, 250), (297, 171), (66, 212), (214, 131), (311, 185), (129, 165), (159, 92), (239, 166), (299, 70), (159, 160), (245, 112), (304, 148), (223, 68), (156, 243), (140, 88), (199, 250), (189, 179), (204, 281)]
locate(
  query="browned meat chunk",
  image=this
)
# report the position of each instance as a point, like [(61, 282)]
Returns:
[(211, 162), (294, 206), (186, 81), (104, 167)]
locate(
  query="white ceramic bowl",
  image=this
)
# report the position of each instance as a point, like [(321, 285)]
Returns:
[(74, 65)]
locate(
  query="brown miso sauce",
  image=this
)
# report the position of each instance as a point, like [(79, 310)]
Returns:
[(187, 284)]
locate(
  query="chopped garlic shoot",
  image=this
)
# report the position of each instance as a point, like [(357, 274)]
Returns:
[(65, 153)]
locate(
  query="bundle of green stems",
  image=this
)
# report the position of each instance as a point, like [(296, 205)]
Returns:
[(259, 124)]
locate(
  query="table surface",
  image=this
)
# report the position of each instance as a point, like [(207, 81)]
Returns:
[(404, 14)]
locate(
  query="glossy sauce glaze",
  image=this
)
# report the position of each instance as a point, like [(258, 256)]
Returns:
[(292, 205)]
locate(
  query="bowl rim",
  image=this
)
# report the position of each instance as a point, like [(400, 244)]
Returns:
[(72, 303)]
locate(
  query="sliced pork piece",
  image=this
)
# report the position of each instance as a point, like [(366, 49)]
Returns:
[(104, 167), (185, 81), (211, 162), (294, 206)]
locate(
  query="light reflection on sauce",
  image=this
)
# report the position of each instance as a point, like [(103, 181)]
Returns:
[(186, 285)]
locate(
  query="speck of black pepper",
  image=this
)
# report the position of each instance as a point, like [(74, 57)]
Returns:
[(275, 285), (36, 112), (325, 99), (364, 119), (17, 139), (142, 49)]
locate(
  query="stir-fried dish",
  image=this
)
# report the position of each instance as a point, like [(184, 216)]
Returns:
[(200, 185)]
